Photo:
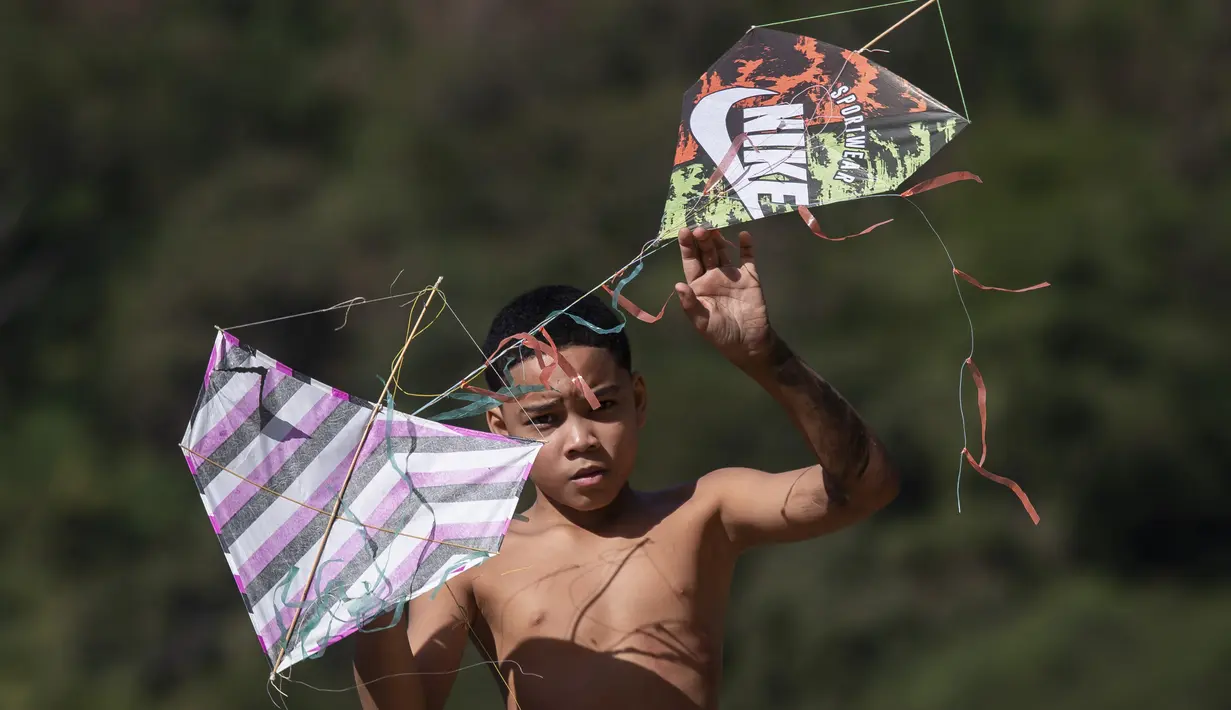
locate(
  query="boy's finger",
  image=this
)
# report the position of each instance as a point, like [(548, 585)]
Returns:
[(720, 245), (705, 241), (690, 255), (746, 253)]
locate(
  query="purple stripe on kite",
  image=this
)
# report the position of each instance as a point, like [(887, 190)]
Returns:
[(231, 339), (283, 369), (323, 493), (455, 531), (487, 474), (274, 460), (340, 394), (300, 519), (243, 588), (237, 416), (193, 461), (214, 353), (385, 509), (347, 631), (397, 578), (214, 523), (264, 648)]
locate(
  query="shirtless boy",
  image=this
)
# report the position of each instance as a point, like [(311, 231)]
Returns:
[(610, 597)]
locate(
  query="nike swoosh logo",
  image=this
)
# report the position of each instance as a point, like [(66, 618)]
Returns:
[(708, 124)]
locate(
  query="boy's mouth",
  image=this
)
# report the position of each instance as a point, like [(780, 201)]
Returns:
[(588, 476)]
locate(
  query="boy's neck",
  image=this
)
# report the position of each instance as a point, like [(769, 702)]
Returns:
[(595, 521)]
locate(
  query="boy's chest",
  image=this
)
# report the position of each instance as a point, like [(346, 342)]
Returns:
[(607, 595)]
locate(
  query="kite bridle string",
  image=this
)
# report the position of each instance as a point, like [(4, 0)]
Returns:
[(499, 376), (833, 14), (943, 26), (953, 58), (333, 516)]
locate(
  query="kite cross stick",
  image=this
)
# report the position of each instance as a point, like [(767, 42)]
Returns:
[(333, 516), (896, 25)]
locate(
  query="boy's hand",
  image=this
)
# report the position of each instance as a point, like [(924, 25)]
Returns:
[(723, 299)]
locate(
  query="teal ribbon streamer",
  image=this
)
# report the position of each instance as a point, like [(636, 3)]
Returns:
[(615, 293), (615, 304), (480, 403), (583, 322)]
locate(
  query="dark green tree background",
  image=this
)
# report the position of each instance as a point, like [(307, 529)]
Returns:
[(168, 167)]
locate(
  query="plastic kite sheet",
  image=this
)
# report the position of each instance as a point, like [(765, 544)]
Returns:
[(271, 451), (782, 121)]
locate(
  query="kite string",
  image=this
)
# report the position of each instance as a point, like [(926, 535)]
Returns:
[(832, 14), (961, 379), (970, 325), (347, 304), (956, 75), (499, 376), (397, 386)]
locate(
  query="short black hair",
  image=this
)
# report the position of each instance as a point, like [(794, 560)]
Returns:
[(531, 308)]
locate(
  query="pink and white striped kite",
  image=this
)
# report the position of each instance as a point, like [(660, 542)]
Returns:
[(270, 450)]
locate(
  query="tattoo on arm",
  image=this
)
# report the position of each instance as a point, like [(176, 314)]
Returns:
[(834, 429)]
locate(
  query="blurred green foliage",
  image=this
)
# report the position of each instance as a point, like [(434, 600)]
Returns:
[(167, 167)]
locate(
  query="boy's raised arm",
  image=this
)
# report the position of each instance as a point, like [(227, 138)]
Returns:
[(412, 665), (852, 478)]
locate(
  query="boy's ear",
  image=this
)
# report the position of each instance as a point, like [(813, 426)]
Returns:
[(496, 423), (640, 398)]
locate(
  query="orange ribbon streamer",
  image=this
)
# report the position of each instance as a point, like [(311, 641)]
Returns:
[(941, 181), (978, 465), (557, 360), (813, 225), (971, 279), (569, 371), (636, 311)]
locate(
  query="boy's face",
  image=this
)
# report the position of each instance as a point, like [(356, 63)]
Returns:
[(589, 453)]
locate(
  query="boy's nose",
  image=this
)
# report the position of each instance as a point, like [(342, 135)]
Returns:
[(581, 436)]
